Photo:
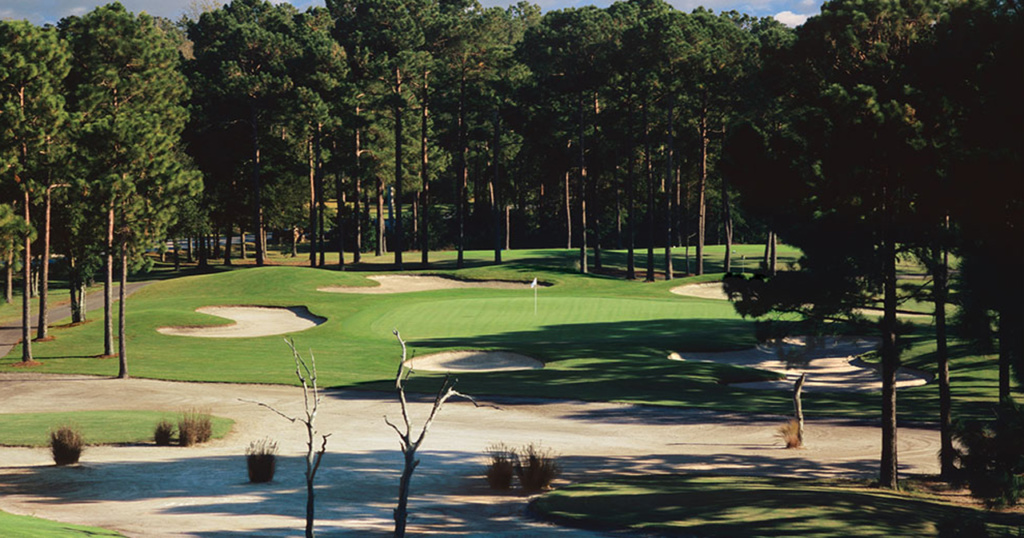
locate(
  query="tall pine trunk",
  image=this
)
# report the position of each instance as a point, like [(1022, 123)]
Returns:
[(947, 454), (495, 215), (702, 181), (425, 175), (669, 165), (357, 180), (26, 305), (461, 172), (108, 286), (649, 177), (44, 284), (889, 475), (122, 349), (311, 225), (630, 197), (582, 188), (398, 236), (257, 183)]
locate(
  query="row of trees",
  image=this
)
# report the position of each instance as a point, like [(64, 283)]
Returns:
[(896, 135), (562, 128), (92, 112)]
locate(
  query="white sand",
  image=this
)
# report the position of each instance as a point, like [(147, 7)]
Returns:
[(831, 365), (146, 491), (474, 361), (704, 290), (250, 322), (413, 283)]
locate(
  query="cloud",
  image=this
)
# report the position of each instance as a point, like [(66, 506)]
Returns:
[(791, 19)]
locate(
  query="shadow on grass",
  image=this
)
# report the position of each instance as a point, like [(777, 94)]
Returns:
[(695, 505)]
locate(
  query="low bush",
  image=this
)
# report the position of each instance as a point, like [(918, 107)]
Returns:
[(66, 445), (991, 456), (536, 468), (194, 427), (163, 433), (502, 467), (261, 460), (789, 432)]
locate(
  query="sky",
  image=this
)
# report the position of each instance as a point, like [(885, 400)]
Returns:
[(790, 12)]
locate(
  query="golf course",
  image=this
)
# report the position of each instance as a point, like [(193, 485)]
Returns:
[(601, 350)]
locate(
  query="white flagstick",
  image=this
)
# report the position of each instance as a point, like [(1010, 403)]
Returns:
[(534, 286)]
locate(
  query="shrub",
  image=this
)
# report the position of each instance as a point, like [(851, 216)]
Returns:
[(66, 445), (261, 460), (790, 433), (194, 427), (992, 456), (163, 433), (537, 468), (502, 467)]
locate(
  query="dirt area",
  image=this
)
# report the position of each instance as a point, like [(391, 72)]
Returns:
[(413, 283), (474, 361), (149, 491), (250, 321)]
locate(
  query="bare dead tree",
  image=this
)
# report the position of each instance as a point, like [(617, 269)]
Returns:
[(306, 372), (798, 408), (410, 444)]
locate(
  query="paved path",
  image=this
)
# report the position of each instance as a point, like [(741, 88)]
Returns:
[(10, 332)]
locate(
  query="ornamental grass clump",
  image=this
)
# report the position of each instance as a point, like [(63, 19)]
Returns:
[(537, 468), (502, 467), (66, 445), (163, 433), (194, 427), (261, 460), (789, 432)]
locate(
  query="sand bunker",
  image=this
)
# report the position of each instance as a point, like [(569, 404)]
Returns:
[(830, 364), (411, 283), (250, 321), (704, 290), (474, 361)]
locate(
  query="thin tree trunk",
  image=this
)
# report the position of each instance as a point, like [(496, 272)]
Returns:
[(398, 238), (44, 284), (461, 171), (668, 190), (257, 181), (122, 354), (108, 287), (311, 225), (798, 408), (339, 222), (702, 180), (568, 213), (631, 198), (425, 174), (583, 189), (26, 298), (9, 291), (229, 237), (357, 250), (495, 218), (773, 266), (889, 475), (177, 254), (947, 454), (381, 247), (508, 227), (321, 198), (727, 221), (649, 176)]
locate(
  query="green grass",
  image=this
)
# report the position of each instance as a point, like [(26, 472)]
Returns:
[(97, 427), (600, 337), (712, 506), (31, 527)]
